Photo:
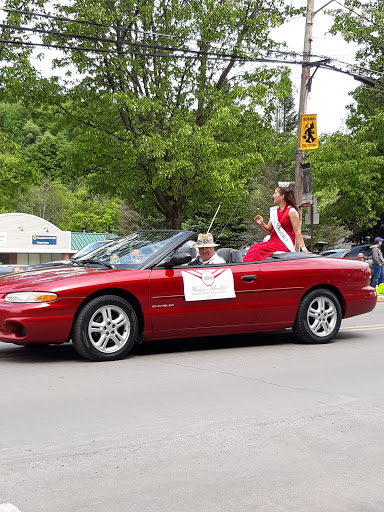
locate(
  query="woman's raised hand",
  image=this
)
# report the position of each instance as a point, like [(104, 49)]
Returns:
[(259, 219)]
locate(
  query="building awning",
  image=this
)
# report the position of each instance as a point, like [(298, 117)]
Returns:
[(80, 240)]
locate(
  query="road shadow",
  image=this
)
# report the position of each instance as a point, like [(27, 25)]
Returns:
[(66, 352), (38, 354), (212, 343)]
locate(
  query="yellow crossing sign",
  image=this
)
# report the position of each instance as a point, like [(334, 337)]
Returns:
[(308, 132)]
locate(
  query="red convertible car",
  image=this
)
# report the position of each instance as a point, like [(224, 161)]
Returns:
[(143, 287)]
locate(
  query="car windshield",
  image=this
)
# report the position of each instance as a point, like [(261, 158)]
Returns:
[(333, 253), (131, 251), (88, 248)]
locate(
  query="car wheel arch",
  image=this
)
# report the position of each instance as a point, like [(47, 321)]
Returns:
[(319, 315), (332, 289), (123, 294)]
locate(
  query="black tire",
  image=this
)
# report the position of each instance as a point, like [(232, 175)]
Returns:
[(105, 329), (318, 318)]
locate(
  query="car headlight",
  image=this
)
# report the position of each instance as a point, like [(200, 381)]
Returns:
[(30, 297)]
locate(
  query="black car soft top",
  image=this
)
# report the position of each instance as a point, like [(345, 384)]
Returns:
[(286, 256)]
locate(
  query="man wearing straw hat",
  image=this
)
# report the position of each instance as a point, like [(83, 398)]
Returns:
[(207, 255)]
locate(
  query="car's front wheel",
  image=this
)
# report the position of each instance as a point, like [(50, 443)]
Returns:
[(105, 329), (318, 318)]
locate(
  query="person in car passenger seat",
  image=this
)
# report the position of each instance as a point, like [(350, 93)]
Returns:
[(283, 226)]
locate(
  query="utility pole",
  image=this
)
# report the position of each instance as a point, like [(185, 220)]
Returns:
[(305, 76)]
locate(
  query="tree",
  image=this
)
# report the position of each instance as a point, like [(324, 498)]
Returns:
[(286, 114), (72, 211), (15, 171), (228, 227), (48, 200), (52, 156), (349, 169), (165, 111), (14, 117), (363, 24)]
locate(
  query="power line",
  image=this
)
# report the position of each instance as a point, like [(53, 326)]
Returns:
[(354, 66), (143, 32), (210, 56), (151, 46), (113, 41), (136, 44), (173, 52), (366, 80)]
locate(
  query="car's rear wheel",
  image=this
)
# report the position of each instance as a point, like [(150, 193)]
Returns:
[(318, 318), (105, 329)]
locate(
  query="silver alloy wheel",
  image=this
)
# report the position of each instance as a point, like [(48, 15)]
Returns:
[(322, 316), (109, 329)]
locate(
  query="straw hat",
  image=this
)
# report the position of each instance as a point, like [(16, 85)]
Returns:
[(205, 240)]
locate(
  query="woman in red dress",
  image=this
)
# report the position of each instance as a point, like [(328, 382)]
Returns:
[(288, 219)]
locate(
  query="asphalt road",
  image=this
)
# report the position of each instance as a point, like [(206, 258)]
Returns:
[(251, 423)]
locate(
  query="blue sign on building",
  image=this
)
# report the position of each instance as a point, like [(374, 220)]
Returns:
[(44, 240)]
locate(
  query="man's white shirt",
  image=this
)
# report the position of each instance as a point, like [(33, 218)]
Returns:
[(216, 259)]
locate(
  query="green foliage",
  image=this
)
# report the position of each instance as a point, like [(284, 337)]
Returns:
[(362, 23), (281, 167), (72, 211), (286, 114), (51, 155), (349, 169), (228, 228), (13, 118), (31, 132), (93, 215), (14, 169), (48, 200)]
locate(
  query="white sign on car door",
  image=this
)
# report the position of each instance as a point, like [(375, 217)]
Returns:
[(208, 284)]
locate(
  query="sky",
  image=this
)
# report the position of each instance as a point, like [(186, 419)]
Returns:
[(329, 95)]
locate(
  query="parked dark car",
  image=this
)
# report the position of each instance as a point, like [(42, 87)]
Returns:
[(366, 249), (9, 269)]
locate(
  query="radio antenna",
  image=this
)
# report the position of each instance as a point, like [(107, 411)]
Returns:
[(214, 217)]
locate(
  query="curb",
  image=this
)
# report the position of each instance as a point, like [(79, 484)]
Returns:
[(380, 298)]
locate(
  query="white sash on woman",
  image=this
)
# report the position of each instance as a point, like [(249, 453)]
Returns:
[(281, 233)]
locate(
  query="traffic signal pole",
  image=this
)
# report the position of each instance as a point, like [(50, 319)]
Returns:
[(305, 76)]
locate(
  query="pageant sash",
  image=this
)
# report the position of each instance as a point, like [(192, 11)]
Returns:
[(281, 233)]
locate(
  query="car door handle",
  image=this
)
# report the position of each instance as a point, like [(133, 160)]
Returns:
[(249, 279)]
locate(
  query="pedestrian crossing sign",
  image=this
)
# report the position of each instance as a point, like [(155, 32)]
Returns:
[(308, 132)]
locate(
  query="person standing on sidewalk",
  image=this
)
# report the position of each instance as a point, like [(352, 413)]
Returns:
[(378, 263)]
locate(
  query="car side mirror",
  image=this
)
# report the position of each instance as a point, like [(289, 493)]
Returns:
[(179, 258)]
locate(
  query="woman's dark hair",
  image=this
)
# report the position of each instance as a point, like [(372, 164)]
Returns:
[(289, 196)]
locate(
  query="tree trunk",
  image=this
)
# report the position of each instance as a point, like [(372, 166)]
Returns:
[(173, 217)]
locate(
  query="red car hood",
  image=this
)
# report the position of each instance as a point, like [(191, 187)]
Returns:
[(56, 278)]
